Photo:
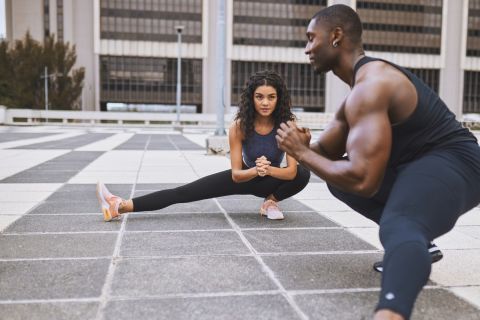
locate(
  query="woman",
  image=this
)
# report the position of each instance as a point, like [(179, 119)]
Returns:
[(254, 154)]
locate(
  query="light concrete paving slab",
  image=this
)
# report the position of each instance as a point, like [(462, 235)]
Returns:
[(472, 231), (456, 239), (199, 139), (370, 235), (19, 196), (27, 187), (326, 205), (167, 177), (7, 220), (9, 208), (470, 294), (17, 161), (349, 219), (314, 191), (457, 268), (472, 217), (114, 177)]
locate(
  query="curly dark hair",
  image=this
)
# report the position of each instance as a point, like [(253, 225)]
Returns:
[(246, 111)]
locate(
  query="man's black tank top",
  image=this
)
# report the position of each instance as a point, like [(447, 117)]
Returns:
[(431, 125)]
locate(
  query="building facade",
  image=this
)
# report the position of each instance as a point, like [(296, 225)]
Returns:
[(129, 47)]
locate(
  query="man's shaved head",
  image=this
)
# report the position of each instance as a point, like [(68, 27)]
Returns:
[(342, 16)]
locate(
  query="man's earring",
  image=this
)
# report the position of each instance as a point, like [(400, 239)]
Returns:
[(335, 43)]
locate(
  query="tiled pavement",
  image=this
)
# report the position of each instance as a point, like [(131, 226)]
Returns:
[(212, 259)]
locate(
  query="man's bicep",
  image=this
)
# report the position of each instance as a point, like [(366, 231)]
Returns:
[(332, 140), (369, 145)]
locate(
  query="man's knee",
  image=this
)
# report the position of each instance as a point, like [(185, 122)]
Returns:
[(395, 231)]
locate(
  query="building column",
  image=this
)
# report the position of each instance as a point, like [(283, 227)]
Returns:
[(335, 89), (52, 12), (210, 35), (83, 33), (8, 20), (454, 37)]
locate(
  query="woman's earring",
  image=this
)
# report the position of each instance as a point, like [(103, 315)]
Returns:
[(335, 43)]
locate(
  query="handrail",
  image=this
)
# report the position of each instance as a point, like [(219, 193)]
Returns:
[(204, 120)]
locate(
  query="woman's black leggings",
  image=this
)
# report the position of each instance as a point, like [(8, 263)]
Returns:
[(418, 202), (221, 184)]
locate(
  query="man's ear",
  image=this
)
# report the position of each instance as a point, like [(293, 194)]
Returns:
[(337, 36)]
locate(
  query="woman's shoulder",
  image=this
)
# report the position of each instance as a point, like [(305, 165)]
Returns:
[(235, 130)]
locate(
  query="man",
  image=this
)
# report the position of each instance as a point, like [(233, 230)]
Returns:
[(394, 153)]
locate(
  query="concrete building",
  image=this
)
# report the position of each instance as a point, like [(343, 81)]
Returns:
[(129, 48)]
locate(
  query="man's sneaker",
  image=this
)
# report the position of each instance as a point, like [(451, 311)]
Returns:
[(435, 254), (108, 202), (270, 209)]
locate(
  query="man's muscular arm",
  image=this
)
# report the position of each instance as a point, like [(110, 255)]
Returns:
[(367, 145), (331, 143)]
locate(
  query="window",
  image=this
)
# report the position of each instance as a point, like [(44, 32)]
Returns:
[(471, 92), (473, 37), (401, 25), (151, 20), (306, 88), (280, 23), (149, 80)]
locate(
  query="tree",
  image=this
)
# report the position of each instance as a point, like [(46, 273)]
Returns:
[(22, 68)]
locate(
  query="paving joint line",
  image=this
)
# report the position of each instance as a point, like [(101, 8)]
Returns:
[(107, 287), (264, 266)]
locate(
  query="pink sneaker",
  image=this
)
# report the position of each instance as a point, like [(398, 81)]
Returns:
[(108, 202), (270, 209)]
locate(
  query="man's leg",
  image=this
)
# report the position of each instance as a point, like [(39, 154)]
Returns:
[(426, 200)]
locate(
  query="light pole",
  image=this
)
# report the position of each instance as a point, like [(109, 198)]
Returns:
[(220, 59), (179, 70), (45, 77)]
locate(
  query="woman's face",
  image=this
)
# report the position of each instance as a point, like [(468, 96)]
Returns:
[(265, 99)]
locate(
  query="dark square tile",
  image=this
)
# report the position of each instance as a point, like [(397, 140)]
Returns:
[(202, 206), (47, 311), (54, 279), (176, 221), (61, 223), (326, 271), (432, 304), (138, 277), (57, 245), (315, 240), (292, 220), (182, 243), (71, 207), (265, 307), (242, 206)]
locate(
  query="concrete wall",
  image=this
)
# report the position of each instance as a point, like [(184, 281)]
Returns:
[(23, 15)]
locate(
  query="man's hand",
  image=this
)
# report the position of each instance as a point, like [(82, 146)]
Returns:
[(263, 166), (292, 139)]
